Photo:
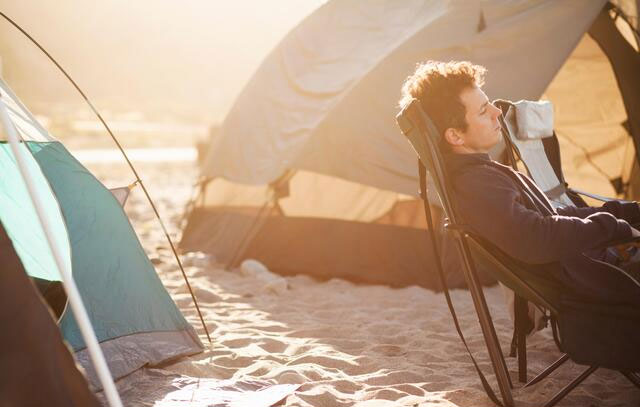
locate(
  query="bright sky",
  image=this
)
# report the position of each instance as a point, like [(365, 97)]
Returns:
[(190, 56)]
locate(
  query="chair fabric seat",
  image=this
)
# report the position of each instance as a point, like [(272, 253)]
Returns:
[(600, 334)]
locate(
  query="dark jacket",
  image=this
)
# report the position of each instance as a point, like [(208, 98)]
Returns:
[(510, 211)]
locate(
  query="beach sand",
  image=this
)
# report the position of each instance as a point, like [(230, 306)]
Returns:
[(345, 344)]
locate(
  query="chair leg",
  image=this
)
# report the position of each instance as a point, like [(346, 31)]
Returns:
[(514, 342), (548, 370), (521, 325), (560, 395), (488, 331), (633, 378)]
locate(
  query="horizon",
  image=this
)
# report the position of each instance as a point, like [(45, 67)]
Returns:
[(200, 54)]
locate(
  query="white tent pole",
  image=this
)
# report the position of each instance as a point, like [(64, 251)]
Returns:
[(64, 270)]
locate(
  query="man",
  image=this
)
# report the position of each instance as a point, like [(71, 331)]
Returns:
[(506, 207)]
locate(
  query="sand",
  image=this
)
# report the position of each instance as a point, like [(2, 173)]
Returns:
[(345, 344)]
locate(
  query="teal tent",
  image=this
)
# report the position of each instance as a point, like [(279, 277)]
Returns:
[(133, 316)]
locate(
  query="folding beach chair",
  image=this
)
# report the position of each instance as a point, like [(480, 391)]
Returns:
[(596, 335)]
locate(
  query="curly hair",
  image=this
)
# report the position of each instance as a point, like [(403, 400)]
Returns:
[(438, 85)]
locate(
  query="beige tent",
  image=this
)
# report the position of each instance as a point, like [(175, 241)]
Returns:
[(309, 173)]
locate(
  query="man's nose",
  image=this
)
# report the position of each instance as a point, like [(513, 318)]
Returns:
[(496, 111)]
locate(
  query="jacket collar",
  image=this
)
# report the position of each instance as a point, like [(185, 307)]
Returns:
[(457, 162)]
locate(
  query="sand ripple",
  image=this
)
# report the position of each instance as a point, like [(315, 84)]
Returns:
[(346, 344)]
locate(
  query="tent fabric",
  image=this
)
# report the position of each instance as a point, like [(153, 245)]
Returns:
[(310, 194), (126, 354), (132, 314), (105, 246), (325, 98), (625, 59), (312, 135), (21, 220), (36, 368), (372, 253), (590, 113), (337, 249)]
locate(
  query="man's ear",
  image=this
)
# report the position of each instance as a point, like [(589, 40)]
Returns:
[(453, 137)]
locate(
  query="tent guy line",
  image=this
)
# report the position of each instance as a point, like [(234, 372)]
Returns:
[(138, 180), (109, 265)]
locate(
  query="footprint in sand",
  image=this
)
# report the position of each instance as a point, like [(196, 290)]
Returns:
[(272, 345), (389, 350), (237, 343), (397, 377), (205, 296), (234, 361)]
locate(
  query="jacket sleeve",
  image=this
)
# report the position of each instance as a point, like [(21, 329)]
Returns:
[(629, 211), (490, 204)]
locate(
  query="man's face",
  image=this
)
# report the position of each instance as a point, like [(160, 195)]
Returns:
[(483, 126)]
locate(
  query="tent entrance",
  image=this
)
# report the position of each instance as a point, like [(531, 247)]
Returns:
[(54, 295)]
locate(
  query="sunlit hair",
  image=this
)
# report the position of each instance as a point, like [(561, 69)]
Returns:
[(438, 85)]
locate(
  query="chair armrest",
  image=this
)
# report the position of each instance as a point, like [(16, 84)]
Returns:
[(604, 199), (596, 196)]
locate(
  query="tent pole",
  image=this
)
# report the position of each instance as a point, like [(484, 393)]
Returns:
[(270, 204), (144, 189), (261, 217), (64, 270)]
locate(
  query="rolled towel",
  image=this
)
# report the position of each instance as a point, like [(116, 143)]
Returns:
[(273, 283), (534, 119)]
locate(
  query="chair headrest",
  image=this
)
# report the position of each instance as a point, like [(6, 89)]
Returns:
[(408, 120), (531, 120)]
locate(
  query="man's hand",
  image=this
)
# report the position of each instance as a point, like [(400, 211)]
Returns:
[(627, 250)]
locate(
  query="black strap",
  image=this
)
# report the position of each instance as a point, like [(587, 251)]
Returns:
[(424, 193)]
